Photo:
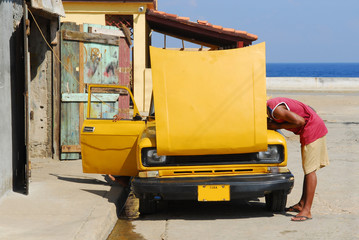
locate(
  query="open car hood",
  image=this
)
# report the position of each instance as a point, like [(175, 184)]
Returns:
[(210, 102)]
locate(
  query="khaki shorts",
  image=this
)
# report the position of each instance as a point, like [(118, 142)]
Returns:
[(315, 155)]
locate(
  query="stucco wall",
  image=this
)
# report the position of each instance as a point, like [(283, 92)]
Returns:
[(10, 12), (40, 145)]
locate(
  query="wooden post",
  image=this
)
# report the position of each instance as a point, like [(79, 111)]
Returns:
[(27, 97), (139, 56), (81, 81), (240, 44), (56, 98), (124, 75)]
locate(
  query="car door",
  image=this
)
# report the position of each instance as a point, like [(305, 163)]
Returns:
[(110, 133)]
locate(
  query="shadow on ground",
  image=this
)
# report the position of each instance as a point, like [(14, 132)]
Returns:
[(185, 210), (81, 179), (116, 195), (194, 210)]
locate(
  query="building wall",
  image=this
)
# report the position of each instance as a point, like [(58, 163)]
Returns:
[(40, 92), (10, 11), (81, 18), (83, 12)]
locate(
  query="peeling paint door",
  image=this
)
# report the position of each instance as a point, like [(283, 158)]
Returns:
[(88, 58)]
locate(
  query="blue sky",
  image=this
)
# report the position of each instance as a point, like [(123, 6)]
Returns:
[(294, 30)]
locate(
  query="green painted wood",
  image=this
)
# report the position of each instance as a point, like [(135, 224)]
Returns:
[(101, 61), (90, 37), (111, 76), (101, 67), (103, 111), (69, 134)]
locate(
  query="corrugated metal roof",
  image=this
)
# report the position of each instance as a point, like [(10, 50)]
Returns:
[(124, 1), (53, 7), (119, 1)]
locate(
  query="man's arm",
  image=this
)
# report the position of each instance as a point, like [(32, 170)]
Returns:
[(292, 120)]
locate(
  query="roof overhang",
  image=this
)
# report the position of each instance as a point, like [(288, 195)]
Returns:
[(201, 33)]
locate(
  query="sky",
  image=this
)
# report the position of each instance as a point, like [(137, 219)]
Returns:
[(295, 31)]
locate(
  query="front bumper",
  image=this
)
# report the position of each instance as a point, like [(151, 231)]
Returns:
[(186, 188)]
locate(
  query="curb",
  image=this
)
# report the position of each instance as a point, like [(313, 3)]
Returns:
[(102, 219)]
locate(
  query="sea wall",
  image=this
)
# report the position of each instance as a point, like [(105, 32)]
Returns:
[(313, 84)]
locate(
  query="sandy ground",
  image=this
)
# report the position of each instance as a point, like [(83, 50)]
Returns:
[(336, 203)]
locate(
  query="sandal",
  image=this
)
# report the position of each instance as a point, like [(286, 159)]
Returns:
[(300, 218), (293, 208)]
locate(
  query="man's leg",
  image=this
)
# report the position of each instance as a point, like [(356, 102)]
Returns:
[(309, 185), (299, 206), (304, 194)]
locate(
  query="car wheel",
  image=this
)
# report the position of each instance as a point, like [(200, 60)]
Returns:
[(147, 206), (276, 201)]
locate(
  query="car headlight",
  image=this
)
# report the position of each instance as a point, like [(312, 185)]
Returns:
[(150, 157), (273, 153)]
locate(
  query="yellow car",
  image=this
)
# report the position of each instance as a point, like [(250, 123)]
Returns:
[(205, 142)]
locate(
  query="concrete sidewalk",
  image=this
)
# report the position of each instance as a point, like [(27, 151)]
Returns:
[(318, 84), (63, 203)]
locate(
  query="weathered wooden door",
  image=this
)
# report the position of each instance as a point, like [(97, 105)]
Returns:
[(90, 54)]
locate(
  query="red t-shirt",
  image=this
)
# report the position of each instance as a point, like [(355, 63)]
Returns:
[(314, 127)]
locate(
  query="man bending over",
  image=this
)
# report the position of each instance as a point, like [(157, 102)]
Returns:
[(294, 116)]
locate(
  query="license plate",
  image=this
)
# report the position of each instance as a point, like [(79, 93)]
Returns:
[(213, 193)]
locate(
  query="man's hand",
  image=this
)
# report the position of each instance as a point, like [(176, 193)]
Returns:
[(272, 125), (116, 118)]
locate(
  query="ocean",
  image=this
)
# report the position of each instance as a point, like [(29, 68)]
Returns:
[(344, 70)]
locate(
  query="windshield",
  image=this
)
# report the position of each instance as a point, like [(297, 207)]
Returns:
[(152, 108)]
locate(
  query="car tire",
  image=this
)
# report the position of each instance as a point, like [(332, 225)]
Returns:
[(147, 206), (276, 201)]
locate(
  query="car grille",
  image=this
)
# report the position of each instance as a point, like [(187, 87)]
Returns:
[(223, 159), (212, 159)]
